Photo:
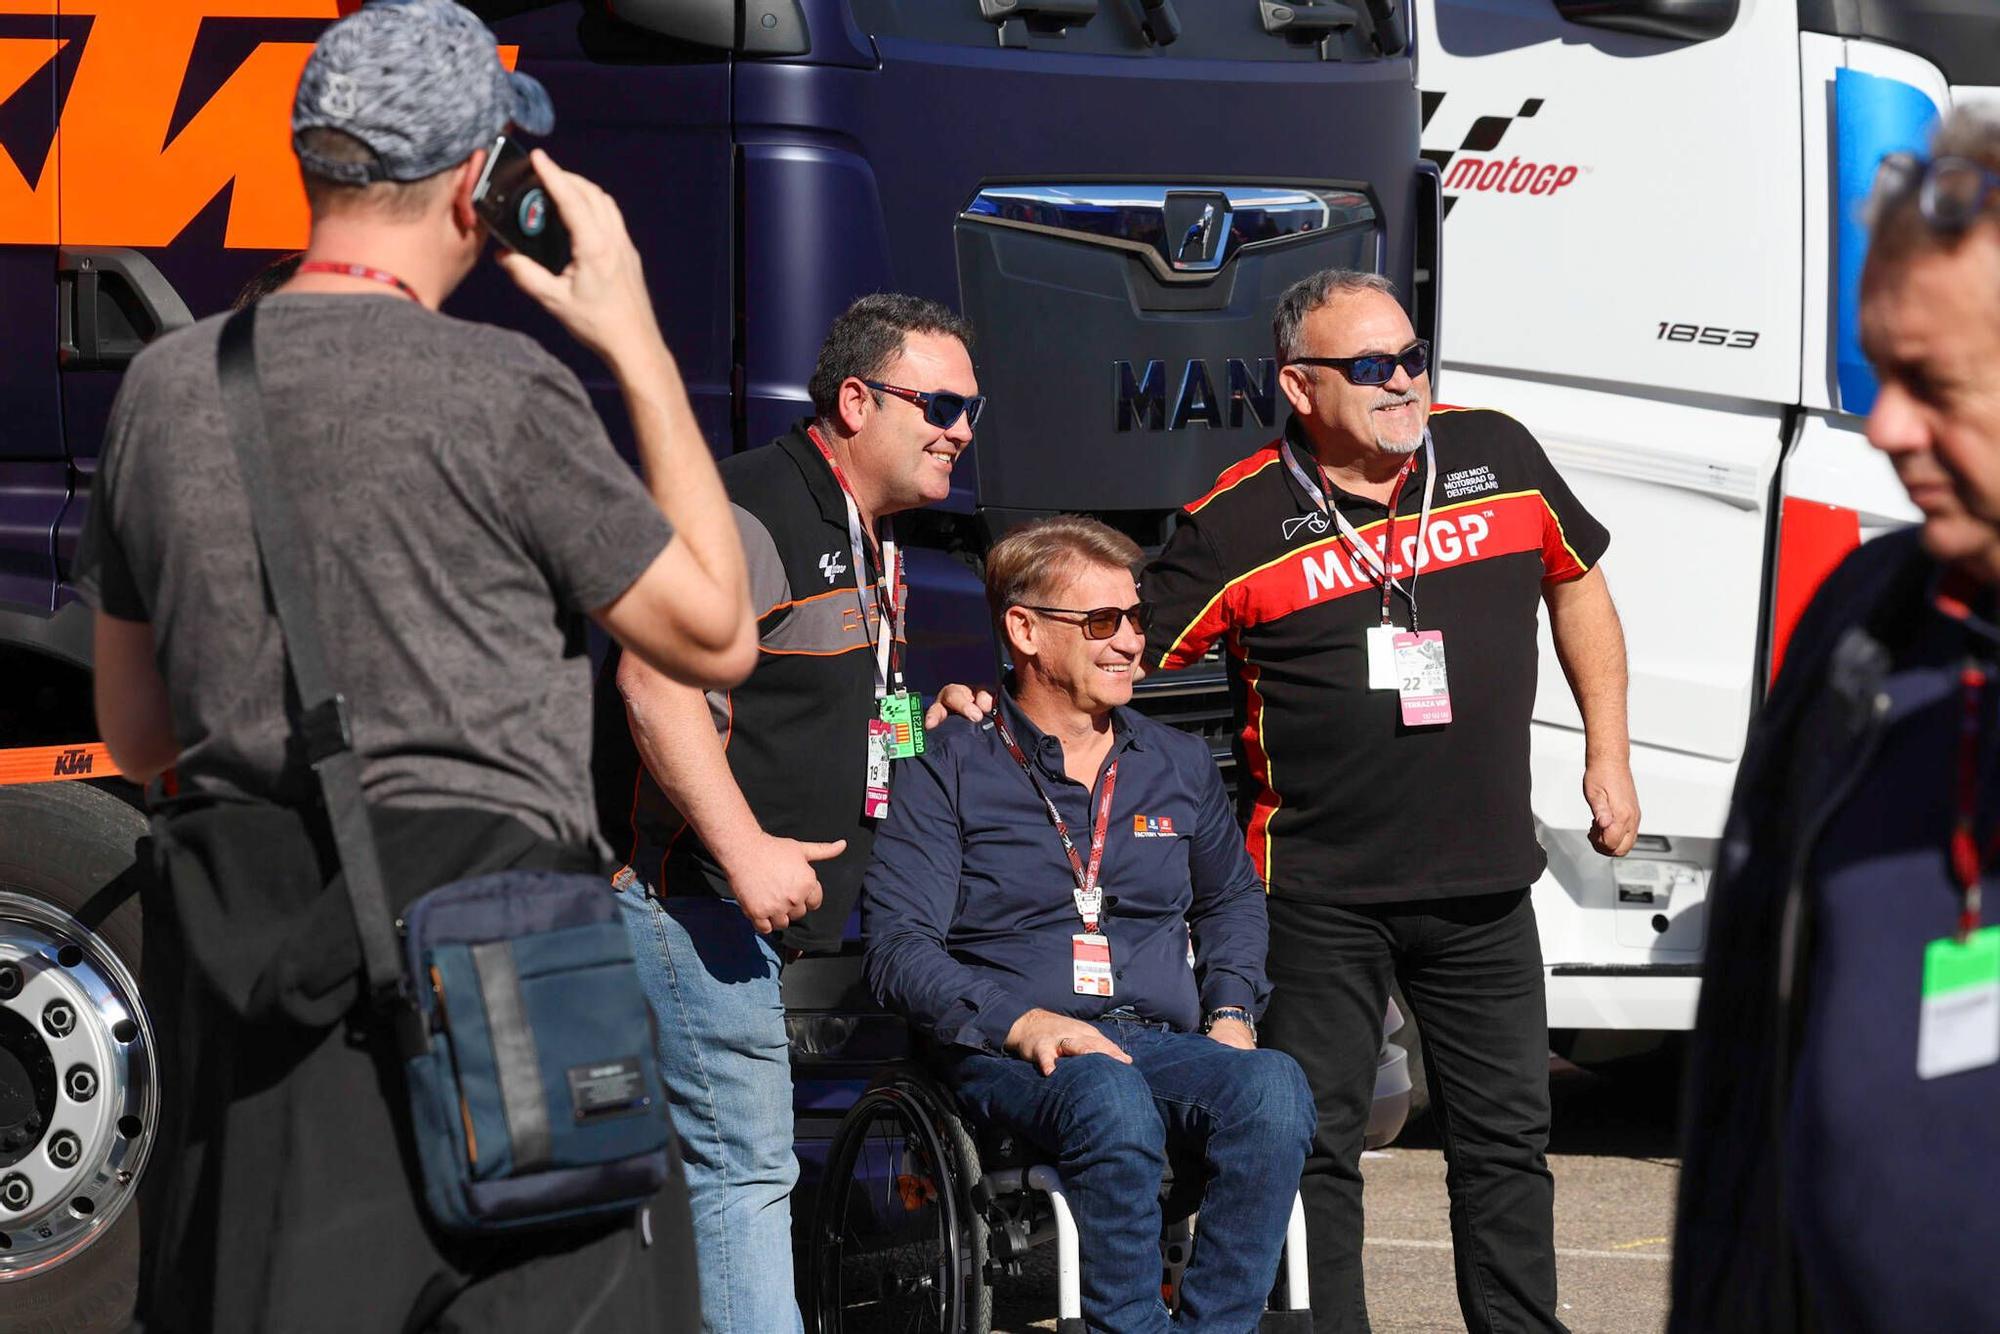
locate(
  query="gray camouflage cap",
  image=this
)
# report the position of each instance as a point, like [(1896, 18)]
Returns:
[(420, 83)]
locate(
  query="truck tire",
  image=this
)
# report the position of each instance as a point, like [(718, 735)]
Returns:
[(79, 1093)]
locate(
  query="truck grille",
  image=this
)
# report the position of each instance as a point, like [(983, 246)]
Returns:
[(1195, 700)]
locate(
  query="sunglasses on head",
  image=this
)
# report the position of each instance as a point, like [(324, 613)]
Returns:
[(1101, 622), (1951, 191), (1375, 368), (941, 408)]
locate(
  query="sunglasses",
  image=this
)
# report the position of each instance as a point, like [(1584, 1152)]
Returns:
[(942, 408), (1101, 622), (1951, 191), (1375, 367)]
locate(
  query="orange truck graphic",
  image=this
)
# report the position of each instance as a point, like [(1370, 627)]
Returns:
[(112, 177)]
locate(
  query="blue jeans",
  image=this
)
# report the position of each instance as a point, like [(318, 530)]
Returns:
[(713, 985), (1247, 1116)]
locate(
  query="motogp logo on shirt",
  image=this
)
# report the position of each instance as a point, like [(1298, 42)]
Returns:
[(832, 566), (1152, 826)]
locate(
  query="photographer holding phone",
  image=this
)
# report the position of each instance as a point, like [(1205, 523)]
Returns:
[(462, 509)]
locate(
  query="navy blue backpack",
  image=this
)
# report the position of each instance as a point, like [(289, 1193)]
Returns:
[(527, 1044)]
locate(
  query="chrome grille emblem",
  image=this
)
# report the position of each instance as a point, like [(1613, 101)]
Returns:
[(1185, 233)]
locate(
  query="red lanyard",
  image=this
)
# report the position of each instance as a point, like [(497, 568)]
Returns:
[(889, 617), (1322, 497), (382, 276), (1967, 859), (1086, 876)]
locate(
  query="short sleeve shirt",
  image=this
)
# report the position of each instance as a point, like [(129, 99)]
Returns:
[(462, 505), (1343, 802)]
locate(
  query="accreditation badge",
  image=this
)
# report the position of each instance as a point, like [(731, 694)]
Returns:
[(903, 711), (1090, 963), (875, 794), (1381, 641), (1958, 1024), (1420, 678)]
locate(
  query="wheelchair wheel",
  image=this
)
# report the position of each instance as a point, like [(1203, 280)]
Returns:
[(898, 1244)]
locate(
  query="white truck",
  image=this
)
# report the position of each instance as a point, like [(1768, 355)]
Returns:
[(1653, 229)]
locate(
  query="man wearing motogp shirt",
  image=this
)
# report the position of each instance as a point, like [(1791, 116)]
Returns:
[(1375, 575)]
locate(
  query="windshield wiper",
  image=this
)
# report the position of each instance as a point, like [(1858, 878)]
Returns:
[(1160, 22)]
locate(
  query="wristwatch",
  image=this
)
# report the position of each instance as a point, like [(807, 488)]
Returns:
[(1236, 1012)]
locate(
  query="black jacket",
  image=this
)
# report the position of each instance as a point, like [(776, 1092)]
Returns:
[(1734, 1267)]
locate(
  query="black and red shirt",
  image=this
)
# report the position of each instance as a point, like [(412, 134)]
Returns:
[(1341, 801)]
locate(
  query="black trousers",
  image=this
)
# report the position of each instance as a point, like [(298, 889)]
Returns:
[(1471, 969)]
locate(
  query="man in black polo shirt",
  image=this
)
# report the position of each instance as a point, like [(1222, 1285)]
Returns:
[(1375, 575), (749, 813), (1061, 901)]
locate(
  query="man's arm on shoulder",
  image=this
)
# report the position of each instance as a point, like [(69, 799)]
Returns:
[(1590, 643), (908, 898), (1231, 931), (133, 715)]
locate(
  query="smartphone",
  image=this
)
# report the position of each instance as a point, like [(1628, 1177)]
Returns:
[(511, 200)]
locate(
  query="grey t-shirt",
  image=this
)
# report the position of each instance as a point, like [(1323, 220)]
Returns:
[(462, 506)]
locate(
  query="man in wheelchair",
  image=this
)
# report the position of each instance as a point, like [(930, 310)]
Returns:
[(1110, 1023)]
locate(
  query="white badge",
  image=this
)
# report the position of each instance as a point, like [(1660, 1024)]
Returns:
[(1089, 904), (1382, 657), (1090, 963), (1420, 678), (1958, 1024), (875, 792)]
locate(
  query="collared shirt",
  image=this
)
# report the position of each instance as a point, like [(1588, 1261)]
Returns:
[(1888, 1176), (796, 732), (968, 907), (1330, 776)]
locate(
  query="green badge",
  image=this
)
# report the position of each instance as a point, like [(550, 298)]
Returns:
[(904, 711), (1958, 1026)]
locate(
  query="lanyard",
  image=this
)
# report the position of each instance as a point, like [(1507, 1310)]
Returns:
[(1967, 858), (1372, 558), (888, 616), (1088, 897), (373, 275)]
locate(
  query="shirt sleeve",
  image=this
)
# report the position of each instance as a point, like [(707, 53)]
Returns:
[(1185, 583), (580, 509), (102, 576), (770, 589), (908, 897), (1573, 541), (1231, 932)]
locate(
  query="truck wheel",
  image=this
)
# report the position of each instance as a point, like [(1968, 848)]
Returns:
[(79, 1091)]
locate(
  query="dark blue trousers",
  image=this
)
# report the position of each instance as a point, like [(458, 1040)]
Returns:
[(1243, 1118)]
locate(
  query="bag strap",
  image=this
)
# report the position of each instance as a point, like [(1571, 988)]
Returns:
[(323, 727)]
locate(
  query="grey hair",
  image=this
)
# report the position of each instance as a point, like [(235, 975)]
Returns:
[(1310, 293)]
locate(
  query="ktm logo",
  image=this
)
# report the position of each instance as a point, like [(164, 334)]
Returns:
[(128, 165), (72, 763)]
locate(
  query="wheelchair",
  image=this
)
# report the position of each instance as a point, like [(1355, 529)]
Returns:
[(915, 1215)]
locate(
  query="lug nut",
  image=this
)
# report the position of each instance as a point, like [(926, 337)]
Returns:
[(15, 1192), (59, 1018), (65, 1149), (10, 981), (82, 1083)]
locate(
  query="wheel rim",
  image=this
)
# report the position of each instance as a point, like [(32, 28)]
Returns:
[(79, 1095), (889, 1230)]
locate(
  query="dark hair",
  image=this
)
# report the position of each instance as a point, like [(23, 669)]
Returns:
[(1310, 293), (868, 336), (401, 200), (268, 279)]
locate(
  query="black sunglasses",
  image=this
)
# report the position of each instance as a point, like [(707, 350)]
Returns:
[(1951, 191), (1375, 367), (941, 407), (1102, 622)]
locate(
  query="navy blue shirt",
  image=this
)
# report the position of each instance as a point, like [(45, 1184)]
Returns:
[(1891, 1178), (968, 906)]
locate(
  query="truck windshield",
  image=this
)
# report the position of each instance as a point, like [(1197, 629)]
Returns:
[(1210, 30)]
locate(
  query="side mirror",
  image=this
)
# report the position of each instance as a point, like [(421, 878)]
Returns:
[(752, 27), (1681, 20)]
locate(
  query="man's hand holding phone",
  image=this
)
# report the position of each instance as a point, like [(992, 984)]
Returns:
[(601, 297)]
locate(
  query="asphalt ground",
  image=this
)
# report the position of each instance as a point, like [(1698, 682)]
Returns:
[(1612, 1152)]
